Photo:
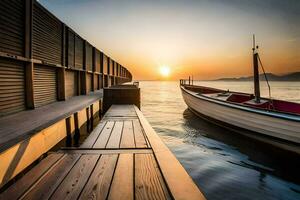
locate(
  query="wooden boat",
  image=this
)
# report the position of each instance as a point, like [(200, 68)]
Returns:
[(276, 120)]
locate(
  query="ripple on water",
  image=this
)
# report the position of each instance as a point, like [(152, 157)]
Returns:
[(223, 164)]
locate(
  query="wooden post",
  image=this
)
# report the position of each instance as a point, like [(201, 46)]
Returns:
[(93, 68), (83, 84), (88, 119), (61, 93), (77, 130), (69, 136), (256, 78), (189, 80), (29, 96), (100, 109), (29, 85), (92, 117), (83, 74), (78, 82)]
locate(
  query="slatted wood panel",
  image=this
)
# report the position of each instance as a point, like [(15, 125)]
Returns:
[(12, 14), (111, 66), (89, 57), (71, 83), (71, 49), (105, 64), (12, 90), (89, 82), (45, 85), (96, 81), (117, 69), (78, 52), (97, 59), (46, 36)]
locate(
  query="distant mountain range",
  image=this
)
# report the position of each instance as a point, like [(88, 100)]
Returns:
[(295, 76)]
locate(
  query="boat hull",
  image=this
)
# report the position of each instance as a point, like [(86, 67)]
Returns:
[(281, 129)]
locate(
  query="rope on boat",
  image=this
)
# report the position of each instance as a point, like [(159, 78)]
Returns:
[(269, 87)]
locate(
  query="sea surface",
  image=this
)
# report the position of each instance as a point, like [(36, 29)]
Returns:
[(224, 165)]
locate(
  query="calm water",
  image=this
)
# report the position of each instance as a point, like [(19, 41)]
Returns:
[(224, 165)]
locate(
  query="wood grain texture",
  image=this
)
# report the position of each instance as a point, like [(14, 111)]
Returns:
[(105, 151), (92, 138), (147, 183), (104, 135), (98, 185), (127, 140), (139, 136), (20, 187), (20, 156), (121, 110), (48, 184), (45, 85), (41, 118), (73, 184), (177, 179), (71, 83), (122, 184), (114, 140)]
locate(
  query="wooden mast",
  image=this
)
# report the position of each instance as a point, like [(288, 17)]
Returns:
[(256, 72)]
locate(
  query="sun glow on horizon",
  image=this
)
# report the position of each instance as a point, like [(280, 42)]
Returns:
[(165, 71)]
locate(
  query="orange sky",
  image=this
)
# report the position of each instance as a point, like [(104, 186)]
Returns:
[(206, 39)]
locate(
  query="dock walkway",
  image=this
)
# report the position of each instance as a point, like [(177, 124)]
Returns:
[(123, 158)]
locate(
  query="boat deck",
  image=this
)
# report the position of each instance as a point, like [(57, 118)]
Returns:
[(123, 158), (17, 127)]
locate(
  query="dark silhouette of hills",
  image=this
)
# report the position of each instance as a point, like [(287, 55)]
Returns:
[(295, 76)]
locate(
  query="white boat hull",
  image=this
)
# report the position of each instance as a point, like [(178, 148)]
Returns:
[(276, 127)]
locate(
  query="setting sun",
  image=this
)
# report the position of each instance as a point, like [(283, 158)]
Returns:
[(165, 71)]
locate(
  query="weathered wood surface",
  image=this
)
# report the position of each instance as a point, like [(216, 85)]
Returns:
[(14, 128), (145, 169), (120, 128)]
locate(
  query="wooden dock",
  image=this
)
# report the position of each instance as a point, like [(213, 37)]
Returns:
[(123, 158)]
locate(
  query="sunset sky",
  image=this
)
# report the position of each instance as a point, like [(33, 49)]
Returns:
[(205, 38)]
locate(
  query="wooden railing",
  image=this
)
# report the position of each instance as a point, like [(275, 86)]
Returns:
[(44, 60)]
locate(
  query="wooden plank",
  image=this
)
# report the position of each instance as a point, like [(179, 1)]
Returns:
[(73, 184), (105, 151), (91, 139), (104, 135), (21, 186), (99, 182), (177, 179), (139, 136), (122, 185), (50, 181), (161, 180), (114, 140), (147, 183), (121, 110), (127, 140)]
